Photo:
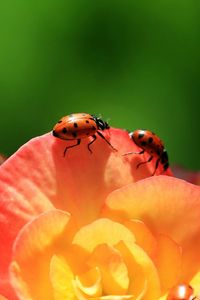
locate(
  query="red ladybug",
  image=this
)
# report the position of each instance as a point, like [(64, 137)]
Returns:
[(79, 126), (152, 144), (181, 292)]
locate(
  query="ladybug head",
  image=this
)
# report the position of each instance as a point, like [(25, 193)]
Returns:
[(106, 126), (100, 123)]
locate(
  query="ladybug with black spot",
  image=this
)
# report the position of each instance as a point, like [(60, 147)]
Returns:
[(79, 126), (181, 292), (149, 142)]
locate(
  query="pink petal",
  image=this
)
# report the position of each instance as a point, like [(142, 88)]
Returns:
[(37, 178)]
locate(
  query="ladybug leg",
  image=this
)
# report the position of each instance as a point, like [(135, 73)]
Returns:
[(144, 162), (78, 143), (103, 137), (141, 152), (156, 166), (90, 143)]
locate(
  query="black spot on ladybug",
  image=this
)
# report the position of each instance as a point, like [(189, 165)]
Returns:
[(75, 125), (143, 143), (64, 130), (140, 135), (93, 127), (55, 133), (87, 121), (60, 121), (74, 134), (158, 152), (150, 140)]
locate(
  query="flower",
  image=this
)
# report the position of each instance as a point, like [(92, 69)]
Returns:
[(93, 226)]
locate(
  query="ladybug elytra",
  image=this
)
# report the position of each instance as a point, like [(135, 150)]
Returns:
[(149, 142), (78, 126)]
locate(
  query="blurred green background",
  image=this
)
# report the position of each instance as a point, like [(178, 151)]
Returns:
[(136, 63)]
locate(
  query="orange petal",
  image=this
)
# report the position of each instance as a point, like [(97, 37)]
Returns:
[(34, 246), (113, 297), (3, 298), (61, 278), (144, 280), (89, 283), (115, 280), (101, 231), (165, 204), (144, 238), (168, 262)]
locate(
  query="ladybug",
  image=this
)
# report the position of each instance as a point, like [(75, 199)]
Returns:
[(79, 126), (181, 292), (149, 142)]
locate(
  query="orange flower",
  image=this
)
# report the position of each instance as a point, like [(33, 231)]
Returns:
[(92, 227)]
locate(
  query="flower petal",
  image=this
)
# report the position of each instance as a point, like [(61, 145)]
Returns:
[(89, 283), (173, 211), (37, 178), (195, 283), (142, 272), (34, 247), (168, 262), (164, 251), (167, 205), (113, 297), (25, 184), (144, 238), (114, 272), (3, 298), (140, 267), (61, 278), (101, 231)]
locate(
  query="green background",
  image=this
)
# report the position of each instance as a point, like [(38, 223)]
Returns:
[(137, 63)]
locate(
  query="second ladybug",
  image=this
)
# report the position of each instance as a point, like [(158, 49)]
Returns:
[(78, 126), (149, 142)]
